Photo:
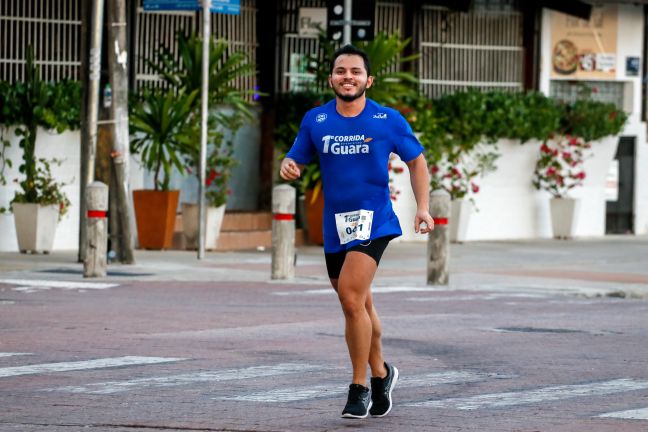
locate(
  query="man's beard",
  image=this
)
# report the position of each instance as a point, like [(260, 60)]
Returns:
[(350, 97)]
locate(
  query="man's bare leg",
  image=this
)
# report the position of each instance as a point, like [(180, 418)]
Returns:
[(353, 288)]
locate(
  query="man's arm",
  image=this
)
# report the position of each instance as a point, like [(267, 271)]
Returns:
[(419, 177), (290, 170)]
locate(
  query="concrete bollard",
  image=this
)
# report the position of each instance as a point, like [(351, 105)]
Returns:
[(94, 264), (283, 232), (439, 239)]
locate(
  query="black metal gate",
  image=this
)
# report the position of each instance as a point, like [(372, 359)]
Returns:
[(619, 213)]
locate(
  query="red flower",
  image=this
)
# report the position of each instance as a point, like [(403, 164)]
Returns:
[(434, 169), (613, 115), (566, 155), (398, 170), (573, 141), (544, 148), (61, 206), (581, 175), (550, 171), (595, 90), (389, 166), (474, 187)]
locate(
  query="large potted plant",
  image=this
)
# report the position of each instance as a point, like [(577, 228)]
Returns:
[(159, 120), (231, 108), (40, 202)]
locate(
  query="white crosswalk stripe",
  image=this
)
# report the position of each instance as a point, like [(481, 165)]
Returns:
[(33, 285), (546, 394), (83, 365), (12, 354), (635, 414), (111, 387), (293, 394)]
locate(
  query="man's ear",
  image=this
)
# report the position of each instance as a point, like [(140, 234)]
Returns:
[(370, 80), (330, 82)]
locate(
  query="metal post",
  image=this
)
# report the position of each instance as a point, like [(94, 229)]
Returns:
[(117, 64), (346, 34), (94, 264), (283, 232), (203, 128), (439, 239), (89, 146)]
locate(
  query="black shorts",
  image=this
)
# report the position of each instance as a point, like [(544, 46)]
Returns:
[(374, 248)]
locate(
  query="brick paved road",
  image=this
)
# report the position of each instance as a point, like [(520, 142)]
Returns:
[(499, 354)]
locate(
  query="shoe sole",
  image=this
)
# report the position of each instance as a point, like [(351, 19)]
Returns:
[(353, 416), (394, 381)]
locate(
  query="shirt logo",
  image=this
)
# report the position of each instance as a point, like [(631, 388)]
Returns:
[(345, 144), (381, 116), (320, 118)]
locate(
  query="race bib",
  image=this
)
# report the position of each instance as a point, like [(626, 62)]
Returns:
[(355, 225)]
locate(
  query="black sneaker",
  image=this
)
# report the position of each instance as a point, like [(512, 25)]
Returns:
[(358, 402), (381, 392)]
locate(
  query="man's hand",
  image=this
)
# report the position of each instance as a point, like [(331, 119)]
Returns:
[(289, 170), (423, 222)]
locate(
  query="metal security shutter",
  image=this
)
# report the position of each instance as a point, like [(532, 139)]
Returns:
[(52, 27), (479, 49)]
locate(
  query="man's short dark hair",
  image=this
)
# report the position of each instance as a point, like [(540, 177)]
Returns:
[(351, 50)]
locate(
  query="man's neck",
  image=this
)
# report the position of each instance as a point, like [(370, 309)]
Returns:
[(350, 109)]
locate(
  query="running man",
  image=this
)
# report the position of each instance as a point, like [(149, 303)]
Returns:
[(354, 137)]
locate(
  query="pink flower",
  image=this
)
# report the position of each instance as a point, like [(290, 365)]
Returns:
[(581, 175), (550, 171), (566, 155)]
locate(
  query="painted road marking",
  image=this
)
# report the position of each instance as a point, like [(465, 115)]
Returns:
[(493, 296), (374, 290), (9, 354), (499, 400), (111, 387), (29, 286), (83, 365), (293, 394), (635, 414)]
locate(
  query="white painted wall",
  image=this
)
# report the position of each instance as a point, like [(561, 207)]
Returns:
[(629, 44), (50, 145)]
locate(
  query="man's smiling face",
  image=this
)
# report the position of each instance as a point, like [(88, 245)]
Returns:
[(349, 79)]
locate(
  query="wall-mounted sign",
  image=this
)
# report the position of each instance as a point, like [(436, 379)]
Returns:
[(632, 66), (584, 49), (311, 21), (232, 7)]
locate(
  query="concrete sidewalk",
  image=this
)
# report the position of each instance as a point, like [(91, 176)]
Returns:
[(610, 266)]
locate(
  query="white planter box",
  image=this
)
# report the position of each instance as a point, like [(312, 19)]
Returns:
[(214, 221), (35, 227), (564, 214), (460, 214)]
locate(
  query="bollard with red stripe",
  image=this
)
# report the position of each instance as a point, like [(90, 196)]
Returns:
[(439, 239), (95, 263), (283, 232)]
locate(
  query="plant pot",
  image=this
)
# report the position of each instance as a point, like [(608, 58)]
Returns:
[(564, 212), (35, 226), (460, 212), (190, 227), (315, 216), (155, 213)]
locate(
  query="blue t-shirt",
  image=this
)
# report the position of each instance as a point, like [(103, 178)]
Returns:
[(354, 154)]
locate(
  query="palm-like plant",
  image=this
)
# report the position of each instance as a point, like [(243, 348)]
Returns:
[(224, 69), (157, 123)]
